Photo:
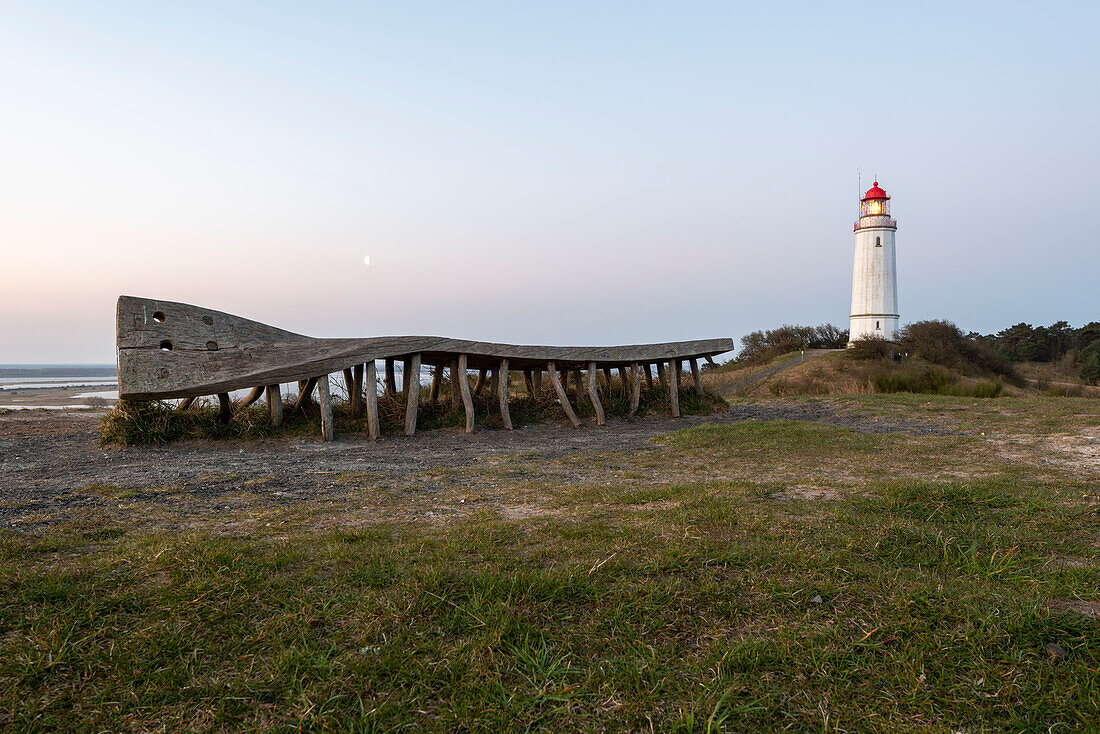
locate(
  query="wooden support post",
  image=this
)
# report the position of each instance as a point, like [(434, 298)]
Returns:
[(406, 367), (275, 404), (635, 389), (538, 381), (673, 390), (698, 376), (464, 390), (502, 393), (349, 379), (607, 378), (480, 384), (391, 378), (356, 391), (562, 396), (661, 379), (529, 383), (678, 365), (225, 407), (412, 392), (624, 380), (324, 397), (493, 380), (253, 395), (304, 393), (437, 380), (648, 376), (710, 361), (594, 394), (456, 391), (370, 380), (578, 383)]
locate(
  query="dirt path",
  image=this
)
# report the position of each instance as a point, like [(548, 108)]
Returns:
[(50, 459), (743, 385)]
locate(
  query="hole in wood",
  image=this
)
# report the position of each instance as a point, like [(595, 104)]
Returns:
[(166, 346), (208, 321), (158, 316), (212, 346)]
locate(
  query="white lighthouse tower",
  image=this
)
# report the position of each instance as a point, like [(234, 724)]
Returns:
[(875, 275)]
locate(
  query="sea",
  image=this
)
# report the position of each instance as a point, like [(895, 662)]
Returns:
[(101, 381)]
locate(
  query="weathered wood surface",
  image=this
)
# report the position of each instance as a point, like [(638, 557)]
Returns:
[(391, 379), (697, 376), (175, 350), (674, 390), (635, 388), (411, 386), (356, 390), (464, 388), (275, 404), (502, 393), (594, 393), (563, 398), (370, 383), (325, 399)]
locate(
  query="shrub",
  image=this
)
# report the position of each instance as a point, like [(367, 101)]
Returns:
[(762, 345), (934, 380), (871, 347), (942, 343)]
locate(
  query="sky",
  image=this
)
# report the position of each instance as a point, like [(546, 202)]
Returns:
[(555, 173)]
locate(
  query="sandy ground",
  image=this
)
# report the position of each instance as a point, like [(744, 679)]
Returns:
[(54, 396), (52, 466)]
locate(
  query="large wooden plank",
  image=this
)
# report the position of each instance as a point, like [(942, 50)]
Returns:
[(464, 388), (370, 385), (563, 398), (594, 394), (175, 350), (324, 398), (411, 386)]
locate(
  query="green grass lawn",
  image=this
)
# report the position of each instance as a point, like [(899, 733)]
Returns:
[(720, 597)]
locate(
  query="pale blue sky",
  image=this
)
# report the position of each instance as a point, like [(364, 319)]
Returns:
[(539, 172)]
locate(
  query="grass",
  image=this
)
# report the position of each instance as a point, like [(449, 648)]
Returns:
[(665, 601), (139, 423)]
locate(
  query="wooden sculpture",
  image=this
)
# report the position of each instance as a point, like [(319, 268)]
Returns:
[(175, 350)]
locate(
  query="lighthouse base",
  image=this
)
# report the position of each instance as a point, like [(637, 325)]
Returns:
[(884, 326)]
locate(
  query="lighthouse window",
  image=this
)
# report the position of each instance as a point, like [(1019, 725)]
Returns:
[(878, 242), (878, 324)]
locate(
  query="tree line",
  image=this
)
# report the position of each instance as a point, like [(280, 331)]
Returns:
[(1058, 342)]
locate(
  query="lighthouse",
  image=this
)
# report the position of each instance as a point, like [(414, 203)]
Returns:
[(875, 273)]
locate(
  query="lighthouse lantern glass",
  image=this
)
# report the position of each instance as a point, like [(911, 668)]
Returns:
[(874, 207)]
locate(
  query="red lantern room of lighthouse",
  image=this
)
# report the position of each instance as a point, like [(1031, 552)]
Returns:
[(875, 203)]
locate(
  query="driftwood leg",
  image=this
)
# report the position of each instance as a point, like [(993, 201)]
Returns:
[(391, 378), (324, 397), (411, 386), (225, 407), (578, 384), (607, 378), (370, 380), (480, 384), (698, 376), (356, 390), (275, 404), (437, 381), (661, 379), (494, 376), (349, 380), (456, 392), (710, 361), (464, 390), (529, 383), (251, 398), (673, 390), (624, 380), (648, 376), (304, 392), (538, 381), (406, 370), (594, 394), (635, 389), (502, 393), (562, 396)]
